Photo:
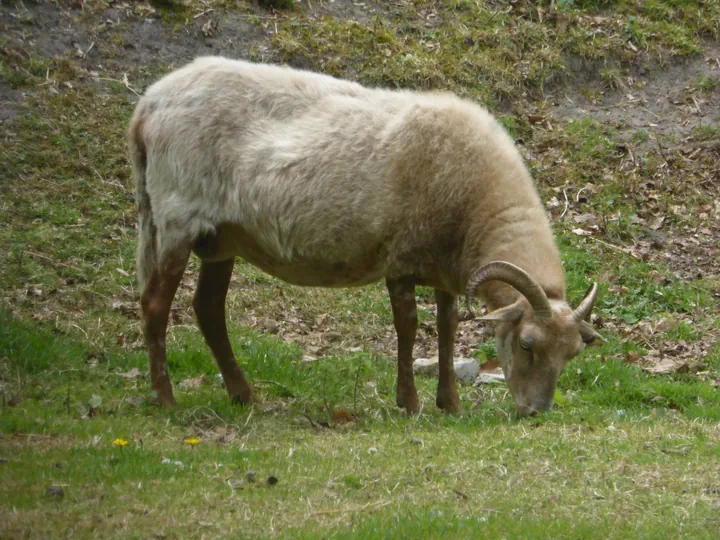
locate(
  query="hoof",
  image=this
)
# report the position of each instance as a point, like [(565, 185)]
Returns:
[(245, 399), (163, 399), (450, 403), (409, 402)]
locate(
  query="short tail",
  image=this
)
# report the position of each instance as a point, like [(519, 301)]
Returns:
[(147, 233)]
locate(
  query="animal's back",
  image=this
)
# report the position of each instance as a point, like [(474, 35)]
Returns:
[(319, 174), (292, 157)]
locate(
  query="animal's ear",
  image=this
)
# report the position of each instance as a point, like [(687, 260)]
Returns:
[(513, 312), (589, 335)]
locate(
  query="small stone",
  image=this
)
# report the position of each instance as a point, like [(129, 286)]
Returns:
[(250, 476), (467, 370), (61, 465), (55, 492), (426, 366), (489, 378), (417, 442)]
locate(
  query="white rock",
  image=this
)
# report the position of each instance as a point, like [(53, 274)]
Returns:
[(466, 369), (426, 366), (489, 377)]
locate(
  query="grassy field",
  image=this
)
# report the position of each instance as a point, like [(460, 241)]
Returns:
[(615, 106)]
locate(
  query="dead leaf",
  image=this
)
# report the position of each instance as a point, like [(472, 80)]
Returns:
[(196, 382), (663, 324), (705, 208), (490, 365), (343, 417), (209, 28), (268, 325), (631, 357), (657, 223), (664, 365), (678, 210), (645, 328), (584, 218), (536, 118), (134, 372), (124, 307), (581, 232)]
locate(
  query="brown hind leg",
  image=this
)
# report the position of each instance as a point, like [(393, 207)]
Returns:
[(447, 394), (404, 308), (209, 304), (156, 301)]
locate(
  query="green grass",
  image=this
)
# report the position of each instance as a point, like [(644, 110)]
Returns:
[(621, 444)]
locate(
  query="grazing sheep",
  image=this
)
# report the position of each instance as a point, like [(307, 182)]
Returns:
[(322, 182)]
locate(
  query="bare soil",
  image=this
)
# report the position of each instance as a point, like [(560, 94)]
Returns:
[(662, 100)]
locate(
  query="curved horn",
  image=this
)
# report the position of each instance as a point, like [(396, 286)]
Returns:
[(515, 276), (582, 312)]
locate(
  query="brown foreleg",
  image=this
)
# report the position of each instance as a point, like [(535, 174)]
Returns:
[(404, 308), (209, 304), (447, 320), (156, 302)]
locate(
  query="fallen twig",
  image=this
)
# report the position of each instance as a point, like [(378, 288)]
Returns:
[(567, 204), (203, 13), (50, 259), (124, 82)]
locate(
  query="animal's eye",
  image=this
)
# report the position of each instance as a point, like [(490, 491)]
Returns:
[(525, 343)]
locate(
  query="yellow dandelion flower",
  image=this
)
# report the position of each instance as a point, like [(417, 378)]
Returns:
[(192, 441), (120, 442)]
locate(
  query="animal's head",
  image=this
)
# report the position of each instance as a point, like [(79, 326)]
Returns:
[(536, 337)]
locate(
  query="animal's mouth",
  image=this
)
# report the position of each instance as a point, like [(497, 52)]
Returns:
[(533, 409)]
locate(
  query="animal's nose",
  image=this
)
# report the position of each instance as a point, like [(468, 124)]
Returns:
[(526, 410), (535, 408)]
